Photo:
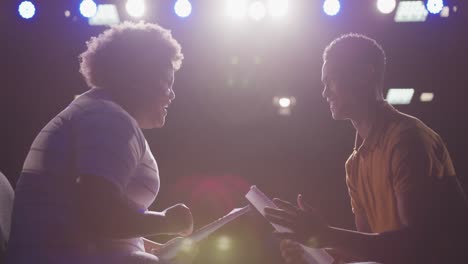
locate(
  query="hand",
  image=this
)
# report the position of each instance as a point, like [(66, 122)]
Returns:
[(179, 220), (292, 252), (302, 219)]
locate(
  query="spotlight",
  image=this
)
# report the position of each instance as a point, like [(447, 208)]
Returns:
[(411, 11), (278, 8), (106, 14), (236, 8), (26, 9), (257, 10), (400, 96), (386, 6), (183, 8), (284, 102), (434, 6), (88, 8), (426, 97), (135, 8), (331, 7)]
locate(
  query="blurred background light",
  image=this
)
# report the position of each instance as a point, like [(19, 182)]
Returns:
[(224, 243), (135, 8), (400, 96), (26, 9), (236, 8), (183, 8), (445, 12), (106, 14), (257, 10), (435, 6), (426, 97), (88, 8), (411, 11), (278, 8), (386, 6), (331, 7), (284, 102)]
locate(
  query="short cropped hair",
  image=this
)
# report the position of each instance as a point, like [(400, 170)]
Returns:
[(126, 53), (352, 49)]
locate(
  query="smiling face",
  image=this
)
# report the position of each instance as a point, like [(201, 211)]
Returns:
[(157, 100), (152, 100), (343, 91)]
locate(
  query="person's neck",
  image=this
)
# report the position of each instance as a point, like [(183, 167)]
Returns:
[(365, 118)]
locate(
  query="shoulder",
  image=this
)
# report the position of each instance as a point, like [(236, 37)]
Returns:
[(409, 130)]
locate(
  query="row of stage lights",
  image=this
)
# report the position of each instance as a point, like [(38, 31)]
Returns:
[(255, 9)]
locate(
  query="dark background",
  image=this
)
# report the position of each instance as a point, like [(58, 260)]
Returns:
[(223, 132)]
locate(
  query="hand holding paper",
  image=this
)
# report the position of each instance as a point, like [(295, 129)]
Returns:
[(173, 247), (284, 221), (302, 220)]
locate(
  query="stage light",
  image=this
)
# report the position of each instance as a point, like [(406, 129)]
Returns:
[(277, 8), (426, 97), (88, 8), (411, 11), (257, 10), (67, 13), (135, 8), (183, 8), (236, 8), (386, 6), (106, 14), (331, 7), (445, 12), (284, 102), (26, 9), (435, 6), (400, 96), (224, 243)]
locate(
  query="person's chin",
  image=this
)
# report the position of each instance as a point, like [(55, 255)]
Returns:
[(338, 116)]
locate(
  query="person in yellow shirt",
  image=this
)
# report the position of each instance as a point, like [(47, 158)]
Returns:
[(400, 176)]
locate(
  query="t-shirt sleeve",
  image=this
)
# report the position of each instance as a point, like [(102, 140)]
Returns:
[(417, 159), (108, 146)]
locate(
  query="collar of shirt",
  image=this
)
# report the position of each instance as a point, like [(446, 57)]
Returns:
[(383, 115)]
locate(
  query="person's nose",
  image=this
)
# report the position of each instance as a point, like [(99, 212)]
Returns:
[(171, 94)]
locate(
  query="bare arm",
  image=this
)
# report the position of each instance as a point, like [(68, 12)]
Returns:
[(106, 212)]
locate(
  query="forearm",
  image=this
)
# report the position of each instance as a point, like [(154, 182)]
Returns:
[(133, 224), (395, 246), (106, 212)]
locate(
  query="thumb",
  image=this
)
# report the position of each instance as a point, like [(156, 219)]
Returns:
[(303, 205)]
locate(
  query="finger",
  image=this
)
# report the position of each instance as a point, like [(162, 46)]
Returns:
[(285, 205), (299, 202), (280, 213), (303, 205), (284, 221)]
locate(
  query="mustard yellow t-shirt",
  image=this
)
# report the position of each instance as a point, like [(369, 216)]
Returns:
[(400, 154)]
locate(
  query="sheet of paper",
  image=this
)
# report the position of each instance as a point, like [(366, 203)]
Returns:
[(170, 250), (259, 200)]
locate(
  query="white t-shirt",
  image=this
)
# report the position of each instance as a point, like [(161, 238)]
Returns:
[(93, 136)]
